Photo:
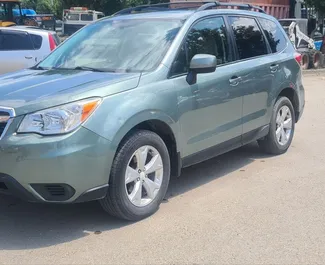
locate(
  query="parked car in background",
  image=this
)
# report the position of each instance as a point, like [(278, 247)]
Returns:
[(77, 17), (130, 100), (23, 47)]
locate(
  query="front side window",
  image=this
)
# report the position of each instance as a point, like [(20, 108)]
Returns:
[(15, 41), (274, 35), (121, 45), (249, 39), (206, 37)]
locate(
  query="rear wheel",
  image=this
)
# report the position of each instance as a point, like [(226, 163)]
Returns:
[(139, 177), (282, 128)]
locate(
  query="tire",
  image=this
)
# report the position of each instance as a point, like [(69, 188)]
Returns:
[(117, 201), (316, 59), (270, 144), (305, 61)]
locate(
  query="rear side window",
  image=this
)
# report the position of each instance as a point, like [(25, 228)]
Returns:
[(14, 41), (274, 35), (37, 41), (249, 38), (86, 17)]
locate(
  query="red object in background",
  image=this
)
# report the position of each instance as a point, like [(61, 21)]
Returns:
[(276, 8), (52, 42)]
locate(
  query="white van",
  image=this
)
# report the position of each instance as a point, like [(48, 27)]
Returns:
[(77, 17)]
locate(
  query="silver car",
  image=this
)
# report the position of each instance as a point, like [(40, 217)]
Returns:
[(22, 47)]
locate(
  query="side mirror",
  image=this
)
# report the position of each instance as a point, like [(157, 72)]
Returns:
[(201, 64)]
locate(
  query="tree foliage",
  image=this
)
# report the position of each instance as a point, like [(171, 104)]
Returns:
[(319, 5), (107, 6)]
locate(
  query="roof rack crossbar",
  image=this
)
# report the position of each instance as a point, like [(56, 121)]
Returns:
[(197, 5)]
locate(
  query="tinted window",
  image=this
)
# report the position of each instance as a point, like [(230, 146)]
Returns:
[(86, 17), (274, 35), (207, 37), (10, 41), (37, 41), (100, 16), (249, 38)]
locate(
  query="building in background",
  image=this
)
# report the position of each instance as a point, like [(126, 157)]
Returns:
[(276, 8)]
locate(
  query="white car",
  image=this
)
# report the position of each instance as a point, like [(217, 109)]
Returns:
[(22, 47)]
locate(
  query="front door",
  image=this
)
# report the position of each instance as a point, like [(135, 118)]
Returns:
[(211, 109)]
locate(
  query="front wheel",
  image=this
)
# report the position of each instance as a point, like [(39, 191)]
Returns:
[(282, 128), (139, 177)]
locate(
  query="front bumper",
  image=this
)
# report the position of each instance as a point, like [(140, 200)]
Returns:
[(61, 169)]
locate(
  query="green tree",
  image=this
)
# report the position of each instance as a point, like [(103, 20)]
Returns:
[(107, 6), (319, 5)]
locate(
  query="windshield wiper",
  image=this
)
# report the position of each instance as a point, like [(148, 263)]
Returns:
[(39, 68), (87, 68)]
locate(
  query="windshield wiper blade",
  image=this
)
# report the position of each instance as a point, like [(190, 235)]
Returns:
[(87, 68), (38, 68)]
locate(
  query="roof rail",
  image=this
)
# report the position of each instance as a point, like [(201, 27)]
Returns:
[(186, 5), (226, 4), (162, 7)]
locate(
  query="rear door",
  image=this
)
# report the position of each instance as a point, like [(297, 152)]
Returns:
[(281, 58), (253, 73), (16, 51)]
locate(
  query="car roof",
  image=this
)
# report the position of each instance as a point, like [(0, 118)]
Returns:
[(28, 29), (179, 14), (184, 14)]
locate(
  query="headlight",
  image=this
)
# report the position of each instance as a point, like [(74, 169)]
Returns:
[(59, 120)]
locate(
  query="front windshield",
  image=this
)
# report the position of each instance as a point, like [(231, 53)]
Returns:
[(121, 45)]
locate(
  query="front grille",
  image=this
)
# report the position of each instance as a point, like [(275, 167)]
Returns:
[(4, 116)]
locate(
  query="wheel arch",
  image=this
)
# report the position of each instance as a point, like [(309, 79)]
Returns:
[(160, 124), (292, 95)]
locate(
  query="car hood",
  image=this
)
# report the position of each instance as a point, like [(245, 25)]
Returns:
[(30, 90)]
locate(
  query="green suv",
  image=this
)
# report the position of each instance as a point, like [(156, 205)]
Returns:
[(128, 101)]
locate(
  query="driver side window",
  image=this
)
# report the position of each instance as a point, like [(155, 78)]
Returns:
[(208, 36)]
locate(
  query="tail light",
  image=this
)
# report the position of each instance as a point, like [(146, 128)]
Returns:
[(52, 42), (298, 58)]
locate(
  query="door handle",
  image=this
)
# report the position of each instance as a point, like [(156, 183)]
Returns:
[(29, 57), (234, 81), (274, 68)]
